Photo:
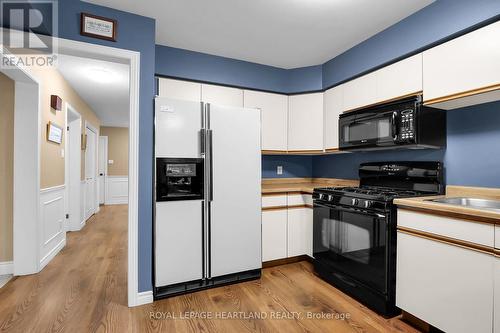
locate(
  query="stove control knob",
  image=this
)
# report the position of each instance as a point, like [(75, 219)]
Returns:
[(368, 204), (354, 201), (330, 197), (321, 196)]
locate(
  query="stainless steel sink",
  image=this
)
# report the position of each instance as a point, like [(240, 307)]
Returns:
[(471, 203)]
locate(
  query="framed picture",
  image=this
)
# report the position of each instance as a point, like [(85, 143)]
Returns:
[(98, 27), (54, 133)]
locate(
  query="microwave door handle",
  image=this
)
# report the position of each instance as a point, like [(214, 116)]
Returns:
[(394, 126)]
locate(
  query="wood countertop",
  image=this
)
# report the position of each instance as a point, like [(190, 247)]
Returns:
[(455, 211), (302, 185)]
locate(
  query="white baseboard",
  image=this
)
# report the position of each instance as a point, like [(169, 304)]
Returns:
[(145, 297), (6, 267), (45, 260)]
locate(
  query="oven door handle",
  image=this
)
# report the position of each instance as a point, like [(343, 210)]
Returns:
[(353, 210)]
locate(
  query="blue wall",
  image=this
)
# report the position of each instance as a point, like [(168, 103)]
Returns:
[(293, 166), (471, 158), (473, 151), (198, 66), (427, 26), (134, 33)]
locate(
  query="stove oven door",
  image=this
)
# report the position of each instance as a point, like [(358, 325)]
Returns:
[(353, 244)]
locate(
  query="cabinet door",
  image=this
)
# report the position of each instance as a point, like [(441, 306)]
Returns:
[(300, 231), (274, 108), (274, 224), (305, 122), (496, 323), (333, 104), (360, 92), (447, 286), (221, 95), (463, 64), (178, 89), (400, 79)]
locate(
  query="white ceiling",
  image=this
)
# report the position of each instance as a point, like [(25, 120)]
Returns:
[(281, 33), (103, 85)]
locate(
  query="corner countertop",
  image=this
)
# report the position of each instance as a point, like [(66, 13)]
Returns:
[(475, 214), (302, 185)]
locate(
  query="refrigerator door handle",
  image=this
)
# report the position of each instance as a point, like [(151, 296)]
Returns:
[(210, 167), (203, 240)]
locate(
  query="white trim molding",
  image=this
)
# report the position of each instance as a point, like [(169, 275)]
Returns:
[(6, 267), (145, 297)]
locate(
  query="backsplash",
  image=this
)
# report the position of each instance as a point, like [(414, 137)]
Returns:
[(471, 158), (293, 166)]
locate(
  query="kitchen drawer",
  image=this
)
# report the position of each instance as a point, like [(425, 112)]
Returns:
[(475, 232), (274, 200), (300, 199)]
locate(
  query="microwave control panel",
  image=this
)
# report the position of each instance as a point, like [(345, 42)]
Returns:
[(406, 131)]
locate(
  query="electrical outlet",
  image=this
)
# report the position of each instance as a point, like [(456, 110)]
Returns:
[(279, 170)]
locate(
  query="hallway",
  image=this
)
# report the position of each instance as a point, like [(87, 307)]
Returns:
[(83, 289)]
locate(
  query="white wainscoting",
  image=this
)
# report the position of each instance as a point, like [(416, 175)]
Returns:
[(6, 267), (83, 186), (116, 190), (52, 216)]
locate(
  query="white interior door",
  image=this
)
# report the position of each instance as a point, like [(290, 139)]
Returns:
[(236, 207), (90, 173), (73, 159), (103, 167)]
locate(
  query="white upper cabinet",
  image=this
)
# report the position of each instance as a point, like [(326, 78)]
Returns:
[(305, 122), (360, 92), (177, 89), (465, 65), (400, 79), (333, 105), (221, 95), (274, 110), (397, 80)]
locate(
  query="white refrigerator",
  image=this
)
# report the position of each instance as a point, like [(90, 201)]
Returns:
[(215, 238)]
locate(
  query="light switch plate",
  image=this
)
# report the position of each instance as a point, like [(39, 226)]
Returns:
[(111, 161), (279, 170)]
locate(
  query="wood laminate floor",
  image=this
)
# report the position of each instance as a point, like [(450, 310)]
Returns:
[(84, 289)]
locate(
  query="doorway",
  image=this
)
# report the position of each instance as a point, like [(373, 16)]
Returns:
[(103, 168)]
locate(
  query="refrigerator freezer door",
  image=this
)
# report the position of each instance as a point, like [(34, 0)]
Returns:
[(178, 242), (235, 221), (178, 125)]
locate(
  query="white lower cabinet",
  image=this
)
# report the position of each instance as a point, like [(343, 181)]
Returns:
[(274, 225), (496, 306), (300, 231), (448, 286)]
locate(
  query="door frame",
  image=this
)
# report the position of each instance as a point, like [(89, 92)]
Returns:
[(27, 221), (105, 183), (70, 223), (26, 180)]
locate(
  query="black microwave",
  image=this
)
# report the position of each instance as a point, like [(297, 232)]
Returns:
[(179, 179), (405, 123)]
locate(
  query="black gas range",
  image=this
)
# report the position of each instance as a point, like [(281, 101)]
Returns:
[(354, 237)]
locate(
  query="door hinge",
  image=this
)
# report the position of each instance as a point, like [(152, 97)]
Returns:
[(67, 216), (67, 128)]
